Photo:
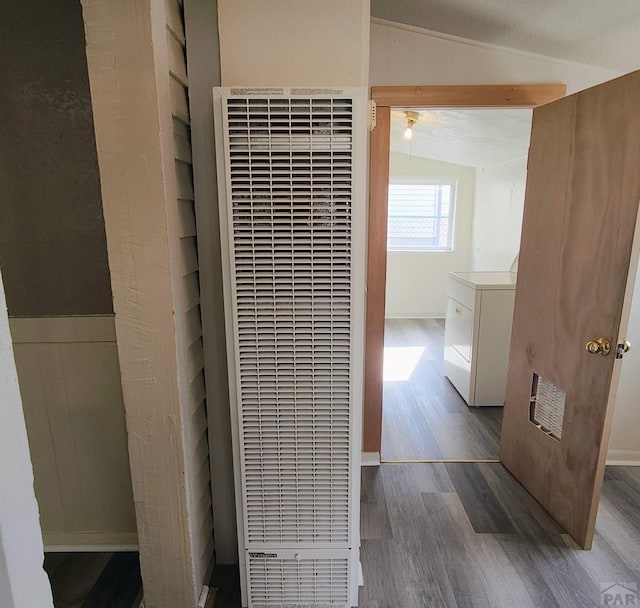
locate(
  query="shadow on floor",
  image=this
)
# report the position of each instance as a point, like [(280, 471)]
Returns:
[(226, 583), (94, 580)]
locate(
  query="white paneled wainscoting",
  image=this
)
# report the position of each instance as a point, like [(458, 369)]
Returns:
[(70, 384)]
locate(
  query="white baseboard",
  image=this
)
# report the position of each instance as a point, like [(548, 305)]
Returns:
[(370, 459), (626, 458)]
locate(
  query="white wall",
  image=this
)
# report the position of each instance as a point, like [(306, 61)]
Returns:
[(497, 214), (405, 55), (624, 444), (23, 582), (302, 43), (417, 280)]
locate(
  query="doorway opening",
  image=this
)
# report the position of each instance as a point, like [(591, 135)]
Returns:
[(454, 215), (412, 100)]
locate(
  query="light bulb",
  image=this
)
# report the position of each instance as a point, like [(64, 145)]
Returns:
[(408, 133)]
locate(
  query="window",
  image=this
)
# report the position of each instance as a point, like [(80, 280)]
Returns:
[(420, 217)]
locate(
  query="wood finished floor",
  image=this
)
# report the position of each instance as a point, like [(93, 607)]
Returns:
[(424, 417), (461, 535)]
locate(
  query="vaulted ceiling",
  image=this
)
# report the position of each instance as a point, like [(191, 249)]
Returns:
[(603, 33), (471, 137)]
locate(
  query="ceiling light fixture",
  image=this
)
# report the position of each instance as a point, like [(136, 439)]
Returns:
[(411, 118)]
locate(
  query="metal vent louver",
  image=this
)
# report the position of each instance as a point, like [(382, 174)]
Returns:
[(547, 406), (322, 583), (290, 164), (294, 312)]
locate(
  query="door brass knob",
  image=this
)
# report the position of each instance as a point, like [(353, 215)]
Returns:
[(601, 345)]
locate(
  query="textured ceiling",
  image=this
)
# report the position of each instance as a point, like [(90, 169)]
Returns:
[(598, 32), (476, 138)]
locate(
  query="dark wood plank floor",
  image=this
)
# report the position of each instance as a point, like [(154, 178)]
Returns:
[(468, 535), (424, 417), (225, 587), (94, 580)]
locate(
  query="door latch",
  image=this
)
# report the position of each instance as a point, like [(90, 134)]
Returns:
[(623, 348)]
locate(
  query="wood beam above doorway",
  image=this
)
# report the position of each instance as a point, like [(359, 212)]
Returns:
[(468, 96)]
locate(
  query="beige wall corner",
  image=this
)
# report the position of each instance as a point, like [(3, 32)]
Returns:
[(284, 43), (23, 581)]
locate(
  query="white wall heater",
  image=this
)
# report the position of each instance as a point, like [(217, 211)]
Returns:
[(291, 172)]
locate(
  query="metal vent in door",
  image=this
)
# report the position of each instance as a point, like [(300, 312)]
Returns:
[(547, 406), (290, 169)]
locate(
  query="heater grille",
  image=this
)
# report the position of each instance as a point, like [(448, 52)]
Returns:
[(321, 583), (290, 194)]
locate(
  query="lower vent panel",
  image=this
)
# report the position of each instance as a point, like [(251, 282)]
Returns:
[(289, 582)]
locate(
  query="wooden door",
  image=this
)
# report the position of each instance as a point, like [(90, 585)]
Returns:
[(576, 272)]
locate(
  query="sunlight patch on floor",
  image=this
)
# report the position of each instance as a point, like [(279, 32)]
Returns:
[(400, 362)]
